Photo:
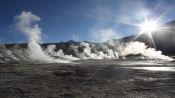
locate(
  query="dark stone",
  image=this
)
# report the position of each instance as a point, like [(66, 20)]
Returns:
[(63, 73)]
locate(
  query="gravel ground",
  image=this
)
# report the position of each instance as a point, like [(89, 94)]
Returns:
[(85, 79)]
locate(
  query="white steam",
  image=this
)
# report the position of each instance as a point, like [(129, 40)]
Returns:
[(102, 51), (87, 53), (103, 35), (136, 48), (6, 54), (26, 23), (51, 50)]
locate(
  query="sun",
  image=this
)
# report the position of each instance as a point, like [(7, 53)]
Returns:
[(148, 26)]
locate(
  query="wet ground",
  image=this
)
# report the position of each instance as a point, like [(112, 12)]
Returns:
[(88, 79)]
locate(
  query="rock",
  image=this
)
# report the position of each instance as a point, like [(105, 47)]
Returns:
[(63, 73)]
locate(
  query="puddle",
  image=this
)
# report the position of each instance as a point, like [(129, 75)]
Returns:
[(171, 69)]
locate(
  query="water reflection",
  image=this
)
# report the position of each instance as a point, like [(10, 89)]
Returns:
[(172, 69)]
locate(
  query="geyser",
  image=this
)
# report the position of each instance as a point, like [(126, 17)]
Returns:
[(26, 22)]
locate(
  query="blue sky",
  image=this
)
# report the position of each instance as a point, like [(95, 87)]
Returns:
[(63, 20)]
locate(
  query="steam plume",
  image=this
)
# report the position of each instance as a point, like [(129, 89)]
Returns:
[(136, 48), (26, 23), (51, 50)]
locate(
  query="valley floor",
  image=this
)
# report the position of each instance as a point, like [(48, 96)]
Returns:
[(85, 79)]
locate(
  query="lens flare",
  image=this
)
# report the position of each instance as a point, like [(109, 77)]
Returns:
[(148, 26)]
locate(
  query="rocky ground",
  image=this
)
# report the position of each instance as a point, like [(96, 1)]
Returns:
[(84, 80)]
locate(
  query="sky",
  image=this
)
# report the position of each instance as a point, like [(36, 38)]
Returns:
[(80, 20)]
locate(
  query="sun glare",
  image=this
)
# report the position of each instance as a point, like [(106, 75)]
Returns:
[(148, 26)]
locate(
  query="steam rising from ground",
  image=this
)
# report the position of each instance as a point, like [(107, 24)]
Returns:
[(26, 22), (51, 50), (102, 54), (137, 48)]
